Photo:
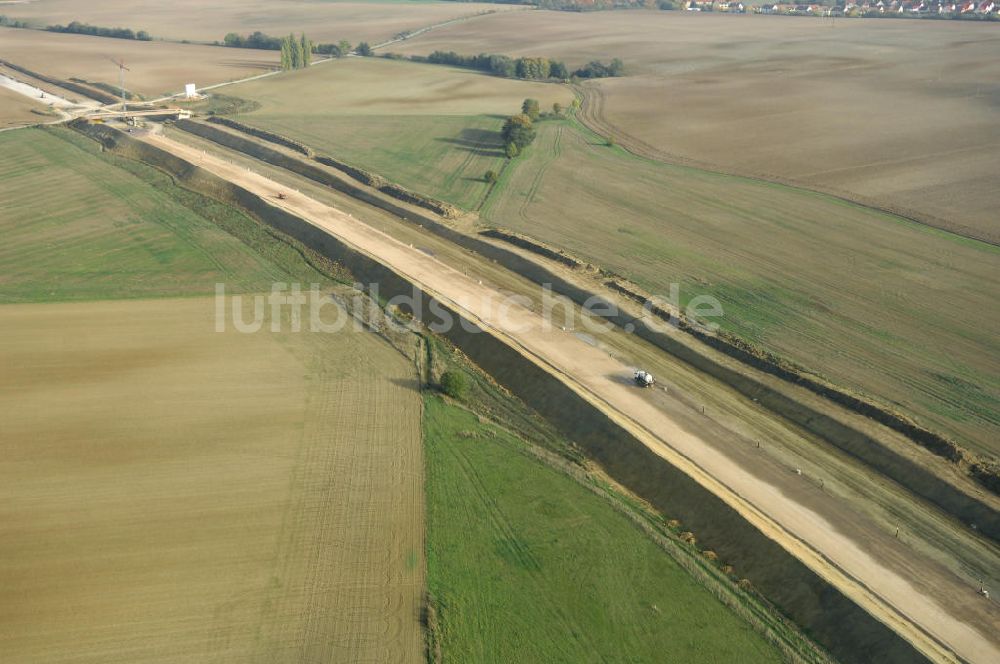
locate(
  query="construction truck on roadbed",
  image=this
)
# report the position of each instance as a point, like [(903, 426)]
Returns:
[(643, 378)]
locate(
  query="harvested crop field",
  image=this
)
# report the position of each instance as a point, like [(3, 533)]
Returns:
[(191, 19), (431, 128), (878, 304), (780, 98), (171, 493), (156, 68), (75, 227)]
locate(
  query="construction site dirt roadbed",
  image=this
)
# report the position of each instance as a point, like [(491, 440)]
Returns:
[(942, 627)]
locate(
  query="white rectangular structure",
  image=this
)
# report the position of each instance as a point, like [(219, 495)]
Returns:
[(189, 91)]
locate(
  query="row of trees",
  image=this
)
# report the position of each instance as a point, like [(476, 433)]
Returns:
[(78, 28), (296, 53), (12, 23), (578, 5), (597, 69), (268, 43), (526, 68), (255, 40), (338, 50), (499, 65)]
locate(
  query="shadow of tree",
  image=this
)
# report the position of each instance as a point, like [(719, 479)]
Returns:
[(482, 142)]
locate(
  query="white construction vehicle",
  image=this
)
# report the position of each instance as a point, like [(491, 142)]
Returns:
[(643, 378)]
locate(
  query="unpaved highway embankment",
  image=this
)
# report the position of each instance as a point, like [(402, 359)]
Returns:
[(819, 575), (927, 478)]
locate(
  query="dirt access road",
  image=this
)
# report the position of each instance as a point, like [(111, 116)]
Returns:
[(927, 621)]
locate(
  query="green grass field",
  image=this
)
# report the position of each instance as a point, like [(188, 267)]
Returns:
[(524, 564), (80, 225), (871, 301), (430, 128), (445, 157)]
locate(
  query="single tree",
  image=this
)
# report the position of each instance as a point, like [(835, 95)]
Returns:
[(558, 70), (453, 384), (300, 54), (306, 47), (557, 109), (344, 47), (293, 51), (490, 176), (511, 150), (518, 130), (286, 54), (364, 50), (531, 109)]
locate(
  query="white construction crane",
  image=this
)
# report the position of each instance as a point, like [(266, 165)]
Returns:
[(121, 80)]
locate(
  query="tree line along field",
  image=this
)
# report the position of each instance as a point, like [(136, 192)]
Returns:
[(433, 129), (361, 20), (156, 68), (873, 302), (526, 565), (779, 99)]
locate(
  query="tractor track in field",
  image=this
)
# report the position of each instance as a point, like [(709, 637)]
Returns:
[(518, 551), (339, 590), (536, 181)]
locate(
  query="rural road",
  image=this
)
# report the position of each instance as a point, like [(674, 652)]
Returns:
[(915, 614)]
